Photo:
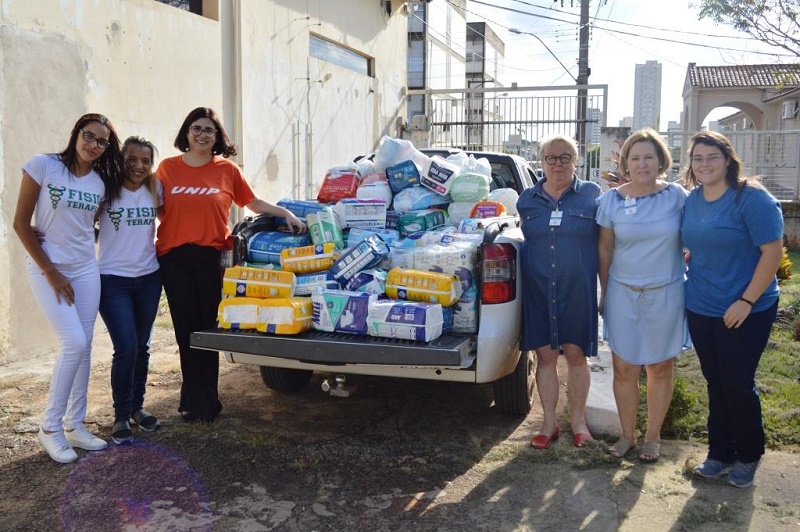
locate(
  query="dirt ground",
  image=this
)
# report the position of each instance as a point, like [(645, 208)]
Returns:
[(398, 455)]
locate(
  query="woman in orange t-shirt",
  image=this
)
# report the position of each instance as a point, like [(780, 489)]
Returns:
[(199, 187)]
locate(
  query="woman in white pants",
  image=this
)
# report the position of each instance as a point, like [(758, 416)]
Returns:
[(63, 191)]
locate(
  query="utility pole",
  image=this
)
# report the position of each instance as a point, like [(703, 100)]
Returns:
[(583, 80)]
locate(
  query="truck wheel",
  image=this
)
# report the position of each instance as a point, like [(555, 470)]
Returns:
[(513, 394), (285, 379)]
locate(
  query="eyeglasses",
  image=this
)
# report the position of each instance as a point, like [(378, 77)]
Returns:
[(710, 159), (564, 158), (207, 131), (89, 137)]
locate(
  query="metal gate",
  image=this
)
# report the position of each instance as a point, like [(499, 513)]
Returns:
[(514, 119)]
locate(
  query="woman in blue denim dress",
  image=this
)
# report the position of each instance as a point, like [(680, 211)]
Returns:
[(559, 292)]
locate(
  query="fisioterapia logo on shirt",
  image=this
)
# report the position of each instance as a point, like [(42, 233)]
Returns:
[(198, 191), (75, 199), (131, 216)]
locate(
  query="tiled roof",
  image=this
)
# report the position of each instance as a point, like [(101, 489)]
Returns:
[(713, 77)]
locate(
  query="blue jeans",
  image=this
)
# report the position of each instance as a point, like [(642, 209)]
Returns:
[(729, 359), (128, 306)]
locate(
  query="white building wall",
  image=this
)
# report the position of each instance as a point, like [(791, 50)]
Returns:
[(146, 65), (647, 95)]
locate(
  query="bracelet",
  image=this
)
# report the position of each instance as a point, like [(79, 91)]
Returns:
[(747, 301)]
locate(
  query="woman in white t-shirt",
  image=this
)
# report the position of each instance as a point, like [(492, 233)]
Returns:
[(63, 191), (131, 285)]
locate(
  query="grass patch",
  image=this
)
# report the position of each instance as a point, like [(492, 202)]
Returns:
[(778, 380), (163, 318)]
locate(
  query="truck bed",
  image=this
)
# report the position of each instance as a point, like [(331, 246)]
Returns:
[(338, 348)]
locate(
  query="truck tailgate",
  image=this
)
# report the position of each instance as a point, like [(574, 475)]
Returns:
[(337, 348)]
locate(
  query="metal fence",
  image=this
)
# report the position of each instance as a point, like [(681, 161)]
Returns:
[(514, 119)]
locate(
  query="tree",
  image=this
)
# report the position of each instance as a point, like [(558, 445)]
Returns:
[(774, 22)]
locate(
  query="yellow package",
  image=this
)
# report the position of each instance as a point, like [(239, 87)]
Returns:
[(239, 312), (309, 259), (255, 282), (285, 316), (426, 287)]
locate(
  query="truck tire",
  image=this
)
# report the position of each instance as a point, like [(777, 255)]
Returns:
[(513, 394), (284, 379)]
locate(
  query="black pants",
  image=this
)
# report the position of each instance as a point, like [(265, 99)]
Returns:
[(193, 286), (729, 359)]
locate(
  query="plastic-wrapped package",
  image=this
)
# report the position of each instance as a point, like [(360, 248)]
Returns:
[(374, 177), (241, 281), (470, 186), (471, 226), (393, 151), (426, 287), (266, 246), (285, 316), (366, 254), (508, 197), (425, 238), (400, 257), (418, 198), (340, 182), (377, 190), (371, 281), (392, 217), (448, 315), (408, 320), (309, 259), (325, 226), (238, 313), (459, 210), (341, 311), (300, 208), (438, 175), (361, 213), (306, 284), (402, 175), (359, 234), (487, 209), (424, 220), (365, 166)]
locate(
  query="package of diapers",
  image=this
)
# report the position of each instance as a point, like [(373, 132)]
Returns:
[(341, 311), (438, 175), (408, 320), (377, 190), (402, 176), (487, 209), (470, 186), (300, 208), (366, 254), (340, 182), (448, 314), (238, 312), (324, 226), (374, 177), (359, 234), (361, 213), (241, 281), (371, 281), (309, 259), (266, 247), (425, 220), (426, 287), (306, 284), (285, 316), (392, 217), (418, 198), (459, 210)]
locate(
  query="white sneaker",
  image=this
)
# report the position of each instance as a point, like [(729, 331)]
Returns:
[(57, 447), (83, 439)]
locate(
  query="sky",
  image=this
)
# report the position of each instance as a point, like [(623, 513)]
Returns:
[(625, 33)]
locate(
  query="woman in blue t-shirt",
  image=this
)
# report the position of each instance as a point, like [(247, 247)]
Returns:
[(732, 228)]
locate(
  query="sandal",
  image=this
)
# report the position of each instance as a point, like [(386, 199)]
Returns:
[(621, 448), (651, 452)]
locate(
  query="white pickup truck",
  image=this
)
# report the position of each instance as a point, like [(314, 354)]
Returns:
[(490, 356)]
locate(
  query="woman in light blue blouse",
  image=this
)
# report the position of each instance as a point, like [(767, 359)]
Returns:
[(641, 268), (733, 229)]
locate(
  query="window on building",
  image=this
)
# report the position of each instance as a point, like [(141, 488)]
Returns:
[(335, 53), (416, 64), (193, 6)]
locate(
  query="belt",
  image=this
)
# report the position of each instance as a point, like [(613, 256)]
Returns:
[(640, 289)]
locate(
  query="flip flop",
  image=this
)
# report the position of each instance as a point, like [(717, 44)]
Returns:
[(621, 448), (651, 452)]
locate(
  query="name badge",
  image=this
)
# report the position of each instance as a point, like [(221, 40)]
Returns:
[(555, 218), (629, 211), (630, 202)]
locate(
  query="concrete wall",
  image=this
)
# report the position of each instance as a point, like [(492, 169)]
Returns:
[(791, 223), (146, 65)]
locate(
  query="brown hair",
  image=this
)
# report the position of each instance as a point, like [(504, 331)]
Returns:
[(150, 182), (222, 144), (734, 176), (651, 136)]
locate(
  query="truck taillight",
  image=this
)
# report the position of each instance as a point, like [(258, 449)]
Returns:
[(499, 273)]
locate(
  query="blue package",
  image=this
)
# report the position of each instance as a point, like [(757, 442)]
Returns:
[(300, 208), (371, 281), (366, 254), (402, 175), (448, 316), (266, 246), (391, 219), (359, 234), (417, 198)]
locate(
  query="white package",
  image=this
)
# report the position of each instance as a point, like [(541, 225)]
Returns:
[(405, 319), (508, 197)]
